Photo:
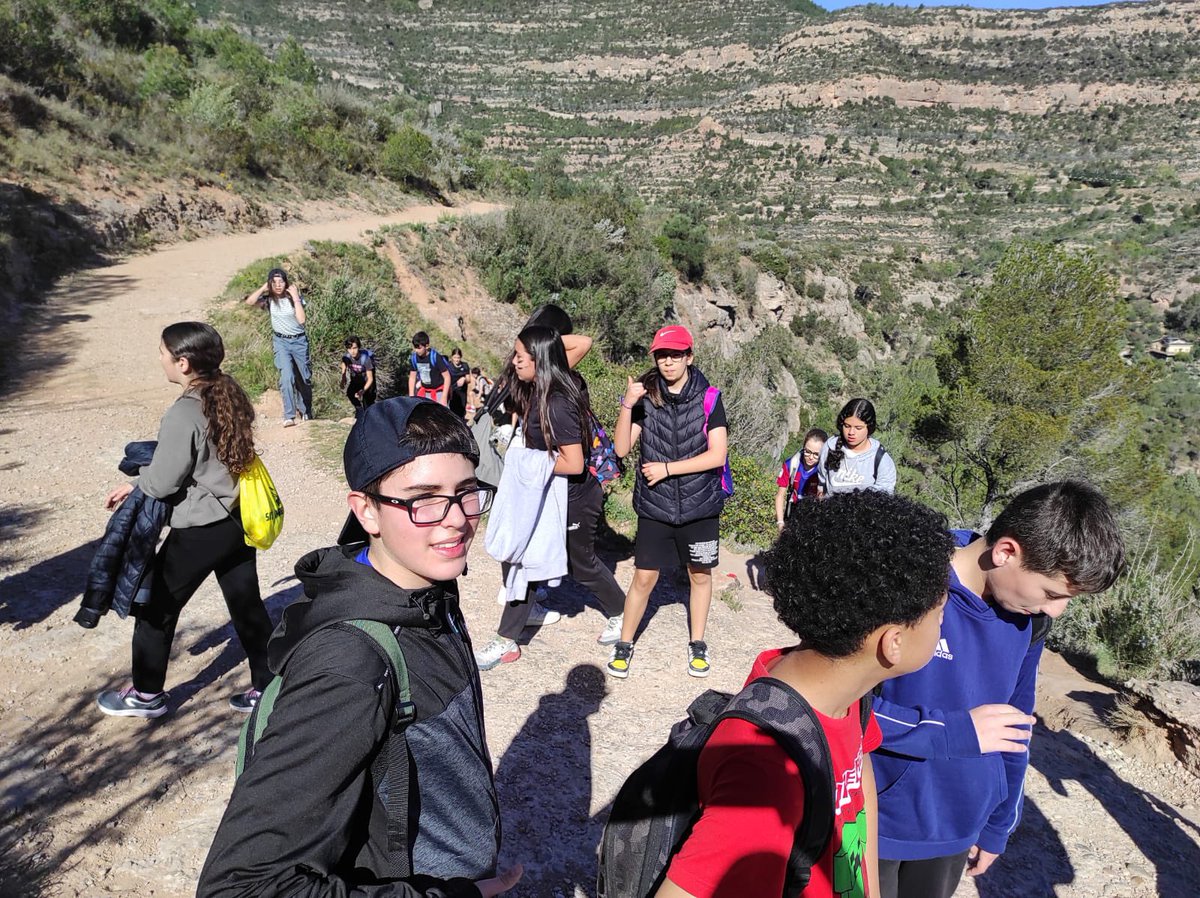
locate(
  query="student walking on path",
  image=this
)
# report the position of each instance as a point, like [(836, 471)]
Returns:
[(800, 478), (204, 442), (460, 382), (290, 343), (678, 495), (555, 424), (853, 459), (429, 374), (358, 375)]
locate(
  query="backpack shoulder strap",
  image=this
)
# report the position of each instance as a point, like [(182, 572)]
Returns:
[(797, 730), (879, 454), (711, 395), (391, 767), (1040, 628)]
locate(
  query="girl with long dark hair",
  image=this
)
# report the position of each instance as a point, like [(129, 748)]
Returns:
[(853, 459), (554, 419), (205, 442)]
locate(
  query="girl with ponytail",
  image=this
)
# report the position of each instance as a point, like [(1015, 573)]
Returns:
[(205, 441), (853, 459)]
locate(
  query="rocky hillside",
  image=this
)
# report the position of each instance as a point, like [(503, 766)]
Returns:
[(938, 131)]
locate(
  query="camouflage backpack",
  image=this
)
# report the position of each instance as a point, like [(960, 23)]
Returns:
[(656, 807)]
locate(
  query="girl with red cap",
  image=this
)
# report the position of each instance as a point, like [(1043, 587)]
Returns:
[(678, 496)]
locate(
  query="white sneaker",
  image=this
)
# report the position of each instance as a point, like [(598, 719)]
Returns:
[(498, 651), (611, 634), (541, 616)]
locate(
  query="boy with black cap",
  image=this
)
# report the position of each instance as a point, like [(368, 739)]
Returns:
[(309, 815)]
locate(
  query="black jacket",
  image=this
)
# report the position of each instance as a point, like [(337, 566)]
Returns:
[(306, 817), (676, 431), (118, 577)]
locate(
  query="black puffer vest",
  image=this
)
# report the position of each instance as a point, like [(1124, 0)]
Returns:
[(671, 433)]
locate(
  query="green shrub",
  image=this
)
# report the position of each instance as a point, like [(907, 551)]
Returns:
[(749, 517), (166, 72), (1145, 626), (407, 156), (685, 242), (293, 63)]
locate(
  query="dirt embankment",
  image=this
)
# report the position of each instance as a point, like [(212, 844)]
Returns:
[(97, 806)]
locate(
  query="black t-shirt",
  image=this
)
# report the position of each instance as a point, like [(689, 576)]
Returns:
[(429, 371), (357, 368), (456, 371), (564, 421)]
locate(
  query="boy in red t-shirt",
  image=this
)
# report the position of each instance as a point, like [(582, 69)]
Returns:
[(886, 558)]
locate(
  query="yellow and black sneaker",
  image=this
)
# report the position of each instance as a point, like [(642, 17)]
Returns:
[(698, 665), (618, 664)]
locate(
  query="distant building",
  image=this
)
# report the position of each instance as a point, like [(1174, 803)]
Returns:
[(1169, 347)]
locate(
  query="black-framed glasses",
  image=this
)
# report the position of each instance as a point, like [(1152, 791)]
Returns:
[(425, 510), (808, 453)]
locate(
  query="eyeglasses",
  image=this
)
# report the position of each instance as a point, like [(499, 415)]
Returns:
[(425, 510), (808, 453)]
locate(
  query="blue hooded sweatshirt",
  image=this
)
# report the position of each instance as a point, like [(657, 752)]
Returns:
[(938, 795)]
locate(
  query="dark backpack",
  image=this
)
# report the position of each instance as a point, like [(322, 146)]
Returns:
[(603, 461), (655, 809), (390, 769)]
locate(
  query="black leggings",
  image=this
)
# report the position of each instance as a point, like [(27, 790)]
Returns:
[(368, 397), (935, 877), (585, 502), (185, 560)]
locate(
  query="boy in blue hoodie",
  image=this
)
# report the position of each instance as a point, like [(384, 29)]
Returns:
[(951, 769)]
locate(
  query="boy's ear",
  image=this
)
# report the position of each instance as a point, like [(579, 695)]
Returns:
[(889, 641), (366, 512), (1005, 550)]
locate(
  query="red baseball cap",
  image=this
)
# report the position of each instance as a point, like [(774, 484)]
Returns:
[(673, 336)]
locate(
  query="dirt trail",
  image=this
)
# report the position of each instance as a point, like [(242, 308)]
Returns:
[(100, 806)]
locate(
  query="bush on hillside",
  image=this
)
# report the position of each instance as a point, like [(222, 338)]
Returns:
[(684, 241), (749, 517), (408, 156)]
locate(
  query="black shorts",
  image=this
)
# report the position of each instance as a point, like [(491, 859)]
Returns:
[(659, 545)]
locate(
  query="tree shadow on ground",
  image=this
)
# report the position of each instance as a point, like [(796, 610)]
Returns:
[(67, 753), (545, 785), (1167, 839)]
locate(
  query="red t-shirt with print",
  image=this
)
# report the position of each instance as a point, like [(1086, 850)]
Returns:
[(752, 802)]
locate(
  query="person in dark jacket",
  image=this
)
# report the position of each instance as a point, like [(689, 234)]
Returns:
[(117, 576), (678, 494), (307, 816)]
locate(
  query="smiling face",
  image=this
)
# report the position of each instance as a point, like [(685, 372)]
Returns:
[(411, 555), (523, 363), (855, 433)]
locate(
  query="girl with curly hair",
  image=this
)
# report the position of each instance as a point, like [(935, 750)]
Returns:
[(205, 442)]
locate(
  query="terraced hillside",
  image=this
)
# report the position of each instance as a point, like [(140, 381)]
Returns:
[(928, 134)]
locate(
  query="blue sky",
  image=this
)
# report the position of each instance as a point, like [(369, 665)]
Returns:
[(982, 4)]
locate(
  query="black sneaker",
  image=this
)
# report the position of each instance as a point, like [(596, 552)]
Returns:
[(698, 665), (128, 702), (245, 701)]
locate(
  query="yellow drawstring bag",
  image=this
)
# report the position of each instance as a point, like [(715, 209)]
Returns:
[(262, 512)]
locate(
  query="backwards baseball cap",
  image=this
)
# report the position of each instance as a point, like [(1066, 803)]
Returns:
[(673, 336), (379, 442)]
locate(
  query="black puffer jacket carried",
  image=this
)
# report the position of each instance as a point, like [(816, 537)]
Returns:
[(306, 817), (671, 433), (119, 575)]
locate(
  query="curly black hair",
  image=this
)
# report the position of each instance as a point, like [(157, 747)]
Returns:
[(846, 565)]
